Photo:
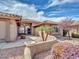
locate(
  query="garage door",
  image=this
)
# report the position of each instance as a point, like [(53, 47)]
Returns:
[(2, 30)]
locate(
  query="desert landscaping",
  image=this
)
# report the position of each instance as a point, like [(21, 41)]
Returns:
[(35, 43), (38, 29)]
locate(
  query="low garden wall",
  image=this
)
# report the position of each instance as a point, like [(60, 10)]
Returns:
[(25, 51), (40, 47)]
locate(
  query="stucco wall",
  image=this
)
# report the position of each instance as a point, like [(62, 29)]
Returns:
[(8, 30), (40, 47), (2, 29), (13, 30), (25, 52)]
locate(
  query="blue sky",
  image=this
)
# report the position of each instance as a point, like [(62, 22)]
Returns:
[(42, 9)]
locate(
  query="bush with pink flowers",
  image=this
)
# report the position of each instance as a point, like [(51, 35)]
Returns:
[(64, 50)]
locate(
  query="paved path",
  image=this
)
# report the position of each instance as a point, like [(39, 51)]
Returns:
[(17, 43)]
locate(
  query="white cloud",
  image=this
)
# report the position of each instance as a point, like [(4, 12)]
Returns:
[(51, 14), (27, 11), (58, 2)]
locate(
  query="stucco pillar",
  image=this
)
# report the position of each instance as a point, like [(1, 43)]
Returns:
[(27, 53), (61, 31), (13, 30), (33, 31), (7, 30)]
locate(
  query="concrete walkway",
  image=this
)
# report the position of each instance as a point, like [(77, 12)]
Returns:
[(20, 42)]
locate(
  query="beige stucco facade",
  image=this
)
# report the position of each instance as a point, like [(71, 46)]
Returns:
[(8, 28), (74, 29), (13, 30)]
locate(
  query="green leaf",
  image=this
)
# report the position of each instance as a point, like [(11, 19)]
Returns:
[(44, 28)]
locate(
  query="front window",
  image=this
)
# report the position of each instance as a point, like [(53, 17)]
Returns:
[(55, 29)]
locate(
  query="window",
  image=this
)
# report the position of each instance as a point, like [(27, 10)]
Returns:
[(55, 29)]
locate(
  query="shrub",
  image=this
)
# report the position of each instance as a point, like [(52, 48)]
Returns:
[(61, 50), (65, 50), (75, 35)]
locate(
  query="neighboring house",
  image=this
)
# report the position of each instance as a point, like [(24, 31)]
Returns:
[(51, 24), (55, 27), (9, 24), (74, 28), (65, 26)]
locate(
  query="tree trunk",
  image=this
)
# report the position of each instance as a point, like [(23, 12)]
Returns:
[(46, 37), (42, 35)]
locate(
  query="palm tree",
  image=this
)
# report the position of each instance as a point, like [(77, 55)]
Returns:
[(45, 31)]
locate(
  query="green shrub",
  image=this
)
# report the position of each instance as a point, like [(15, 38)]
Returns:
[(75, 35)]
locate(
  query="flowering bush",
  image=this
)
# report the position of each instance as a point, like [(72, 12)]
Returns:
[(77, 51), (64, 50)]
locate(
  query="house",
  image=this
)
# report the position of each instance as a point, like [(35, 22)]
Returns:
[(47, 23), (74, 28), (9, 25)]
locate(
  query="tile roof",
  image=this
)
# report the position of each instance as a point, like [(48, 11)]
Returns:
[(44, 22), (9, 16)]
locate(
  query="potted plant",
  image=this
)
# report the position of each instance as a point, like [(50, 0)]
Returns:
[(22, 35)]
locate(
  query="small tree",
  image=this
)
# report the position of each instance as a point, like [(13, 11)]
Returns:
[(65, 25), (44, 30)]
